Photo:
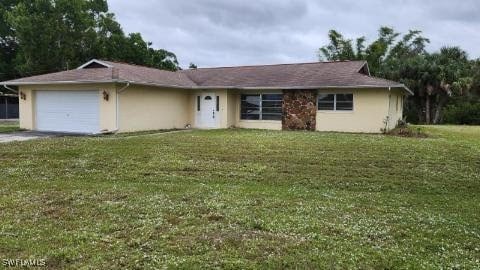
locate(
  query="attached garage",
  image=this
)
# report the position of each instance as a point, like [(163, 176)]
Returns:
[(68, 111)]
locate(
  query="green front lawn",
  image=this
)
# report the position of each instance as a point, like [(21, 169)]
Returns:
[(6, 127), (244, 199)]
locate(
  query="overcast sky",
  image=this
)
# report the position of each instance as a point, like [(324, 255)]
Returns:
[(242, 32)]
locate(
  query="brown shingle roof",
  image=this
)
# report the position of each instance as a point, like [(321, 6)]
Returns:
[(320, 74), (307, 75), (114, 72), (77, 75), (146, 75)]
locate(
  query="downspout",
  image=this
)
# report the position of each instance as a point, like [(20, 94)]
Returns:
[(124, 88), (387, 122), (11, 89), (117, 104)]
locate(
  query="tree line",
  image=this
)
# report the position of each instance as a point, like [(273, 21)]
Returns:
[(42, 36), (446, 83)]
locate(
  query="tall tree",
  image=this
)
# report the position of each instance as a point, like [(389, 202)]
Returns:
[(435, 78), (475, 72), (407, 62), (386, 45), (8, 44), (378, 50), (54, 35), (340, 48), (452, 77)]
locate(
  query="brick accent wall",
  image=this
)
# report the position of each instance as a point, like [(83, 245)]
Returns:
[(299, 109)]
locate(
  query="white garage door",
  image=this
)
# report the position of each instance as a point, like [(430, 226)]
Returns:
[(68, 111)]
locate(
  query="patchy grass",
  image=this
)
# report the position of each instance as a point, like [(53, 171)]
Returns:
[(144, 133), (244, 199), (8, 126), (458, 133), (408, 131)]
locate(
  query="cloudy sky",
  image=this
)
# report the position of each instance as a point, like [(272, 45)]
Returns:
[(241, 32)]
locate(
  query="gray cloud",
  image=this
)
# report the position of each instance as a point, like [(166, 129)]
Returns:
[(239, 32)]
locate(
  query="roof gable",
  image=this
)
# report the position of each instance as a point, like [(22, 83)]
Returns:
[(94, 63)]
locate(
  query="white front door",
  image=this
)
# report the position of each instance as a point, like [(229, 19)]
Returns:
[(207, 115)]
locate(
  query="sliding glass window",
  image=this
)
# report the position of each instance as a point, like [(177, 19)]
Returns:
[(335, 102), (261, 107)]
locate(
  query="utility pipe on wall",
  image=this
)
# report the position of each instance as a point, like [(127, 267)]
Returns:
[(11, 89), (389, 107), (117, 104)]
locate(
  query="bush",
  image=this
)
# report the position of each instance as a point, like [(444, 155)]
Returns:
[(405, 130), (465, 113)]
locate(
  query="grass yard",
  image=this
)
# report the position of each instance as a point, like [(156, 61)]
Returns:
[(7, 126), (244, 199)]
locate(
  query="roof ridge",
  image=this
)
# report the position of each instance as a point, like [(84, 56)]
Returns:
[(285, 64), (378, 78), (135, 65)]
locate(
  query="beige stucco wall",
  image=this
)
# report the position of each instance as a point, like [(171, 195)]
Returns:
[(260, 124), (152, 108), (223, 108), (107, 108), (232, 97), (370, 110), (396, 98)]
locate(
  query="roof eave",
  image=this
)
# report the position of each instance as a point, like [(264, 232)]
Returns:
[(400, 86), (272, 87), (56, 82), (405, 88), (410, 92)]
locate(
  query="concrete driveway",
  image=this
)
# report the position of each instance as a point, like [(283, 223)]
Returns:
[(23, 136)]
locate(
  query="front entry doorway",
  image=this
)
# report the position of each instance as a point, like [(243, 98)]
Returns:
[(207, 111)]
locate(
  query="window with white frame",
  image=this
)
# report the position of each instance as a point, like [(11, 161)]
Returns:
[(335, 102), (261, 107)]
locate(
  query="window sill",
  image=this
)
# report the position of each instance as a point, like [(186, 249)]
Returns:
[(260, 121), (335, 112)]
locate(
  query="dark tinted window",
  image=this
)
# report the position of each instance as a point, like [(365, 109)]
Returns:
[(272, 97), (272, 107), (326, 102), (3, 108), (261, 107), (335, 102), (8, 107), (344, 102), (250, 107)]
